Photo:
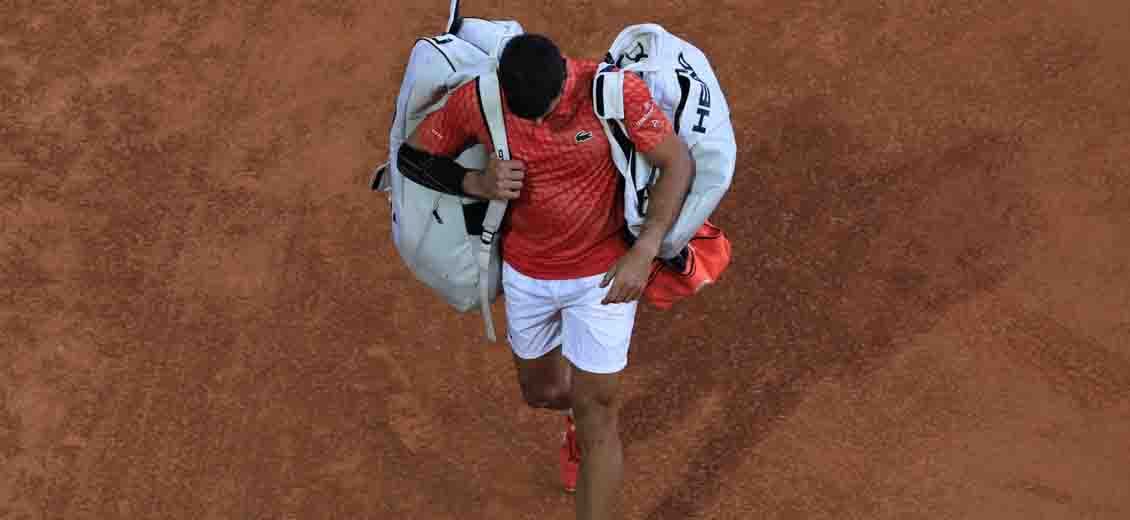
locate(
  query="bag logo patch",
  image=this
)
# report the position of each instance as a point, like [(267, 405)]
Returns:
[(582, 136)]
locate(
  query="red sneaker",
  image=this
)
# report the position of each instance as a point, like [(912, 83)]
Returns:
[(570, 456)]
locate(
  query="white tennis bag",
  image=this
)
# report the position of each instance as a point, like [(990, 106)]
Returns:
[(442, 238), (683, 84)]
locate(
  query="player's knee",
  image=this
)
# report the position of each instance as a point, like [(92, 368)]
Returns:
[(600, 410), (597, 415), (545, 395)]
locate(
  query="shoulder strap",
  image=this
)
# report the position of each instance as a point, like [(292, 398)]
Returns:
[(608, 93), (490, 102)]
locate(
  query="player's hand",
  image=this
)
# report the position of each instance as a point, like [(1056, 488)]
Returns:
[(502, 180), (629, 276)]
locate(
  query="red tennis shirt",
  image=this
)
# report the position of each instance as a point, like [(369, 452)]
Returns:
[(568, 220)]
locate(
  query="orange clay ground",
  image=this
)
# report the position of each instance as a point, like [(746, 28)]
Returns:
[(202, 315)]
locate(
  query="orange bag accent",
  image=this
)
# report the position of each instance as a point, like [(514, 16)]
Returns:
[(708, 255)]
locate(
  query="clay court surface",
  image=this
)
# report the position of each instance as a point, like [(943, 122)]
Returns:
[(202, 315)]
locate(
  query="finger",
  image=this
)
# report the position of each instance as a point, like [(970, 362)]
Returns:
[(622, 296), (637, 294), (513, 175), (502, 186), (641, 287), (501, 191), (616, 294), (608, 277), (626, 296), (608, 295)]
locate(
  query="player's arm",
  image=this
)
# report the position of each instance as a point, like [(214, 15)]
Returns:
[(665, 199), (629, 276), (654, 137), (436, 172), (427, 157), (433, 165)]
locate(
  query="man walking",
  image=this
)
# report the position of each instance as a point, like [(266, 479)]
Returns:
[(571, 281)]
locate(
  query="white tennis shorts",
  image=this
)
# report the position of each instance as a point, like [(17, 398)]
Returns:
[(542, 314)]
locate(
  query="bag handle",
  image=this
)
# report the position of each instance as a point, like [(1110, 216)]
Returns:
[(490, 102)]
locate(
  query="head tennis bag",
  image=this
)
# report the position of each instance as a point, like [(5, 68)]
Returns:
[(683, 84)]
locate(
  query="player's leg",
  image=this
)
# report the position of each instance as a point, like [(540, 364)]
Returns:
[(545, 381), (534, 331), (596, 407), (596, 341)]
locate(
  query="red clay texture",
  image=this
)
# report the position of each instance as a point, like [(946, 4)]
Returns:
[(202, 315)]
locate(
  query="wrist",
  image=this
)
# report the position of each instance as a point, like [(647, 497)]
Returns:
[(647, 246), (471, 185)]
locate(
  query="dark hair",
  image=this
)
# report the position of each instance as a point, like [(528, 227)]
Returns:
[(531, 73)]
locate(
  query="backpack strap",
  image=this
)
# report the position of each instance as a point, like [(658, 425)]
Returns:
[(608, 93), (490, 102), (608, 103)]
